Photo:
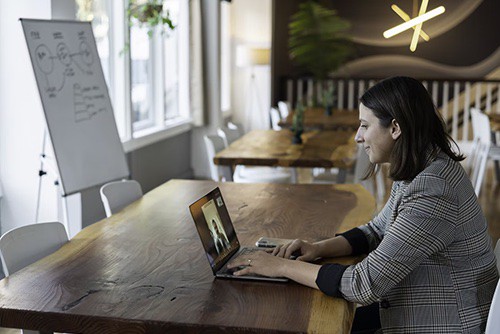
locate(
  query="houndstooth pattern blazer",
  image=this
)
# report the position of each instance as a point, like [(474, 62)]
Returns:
[(431, 265)]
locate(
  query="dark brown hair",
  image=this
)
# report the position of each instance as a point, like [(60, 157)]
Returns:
[(423, 130)]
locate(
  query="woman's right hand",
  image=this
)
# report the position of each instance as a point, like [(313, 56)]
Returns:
[(305, 251)]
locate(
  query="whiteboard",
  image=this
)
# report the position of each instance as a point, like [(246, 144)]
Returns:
[(76, 104)]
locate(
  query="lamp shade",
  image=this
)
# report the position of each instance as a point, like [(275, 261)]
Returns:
[(252, 56)]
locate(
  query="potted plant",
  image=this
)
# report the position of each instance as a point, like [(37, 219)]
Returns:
[(318, 42), (298, 123), (328, 99)]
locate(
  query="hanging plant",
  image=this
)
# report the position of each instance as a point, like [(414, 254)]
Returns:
[(149, 14)]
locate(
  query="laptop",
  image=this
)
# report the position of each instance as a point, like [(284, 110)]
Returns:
[(219, 238)]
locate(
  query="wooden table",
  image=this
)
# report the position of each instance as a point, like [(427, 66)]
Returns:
[(327, 149), (274, 148), (494, 122), (316, 119), (143, 270)]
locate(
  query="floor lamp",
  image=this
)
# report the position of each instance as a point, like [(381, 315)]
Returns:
[(251, 58)]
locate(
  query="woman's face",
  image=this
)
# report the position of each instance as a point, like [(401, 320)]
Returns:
[(377, 141)]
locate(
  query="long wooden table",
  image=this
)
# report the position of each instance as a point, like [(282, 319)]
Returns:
[(317, 119), (326, 149), (143, 270), (494, 122)]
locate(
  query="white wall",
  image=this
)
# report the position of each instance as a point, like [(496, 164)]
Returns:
[(22, 122), (251, 24)]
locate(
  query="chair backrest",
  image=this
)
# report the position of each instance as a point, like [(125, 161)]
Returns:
[(470, 147), (362, 164), (27, 244), (493, 323), (283, 108), (482, 143), (213, 145), (228, 135), (118, 194), (476, 132), (373, 184), (236, 126), (275, 118)]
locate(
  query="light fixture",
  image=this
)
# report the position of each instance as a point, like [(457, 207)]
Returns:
[(406, 18), (415, 23), (252, 56)]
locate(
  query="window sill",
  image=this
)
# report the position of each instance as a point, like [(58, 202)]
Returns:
[(155, 134)]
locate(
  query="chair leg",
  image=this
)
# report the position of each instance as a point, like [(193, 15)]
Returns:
[(226, 173), (341, 177)]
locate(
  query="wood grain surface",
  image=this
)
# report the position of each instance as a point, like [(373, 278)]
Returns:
[(494, 122), (274, 148), (144, 270), (317, 119)]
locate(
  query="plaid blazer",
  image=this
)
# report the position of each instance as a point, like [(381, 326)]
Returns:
[(431, 264)]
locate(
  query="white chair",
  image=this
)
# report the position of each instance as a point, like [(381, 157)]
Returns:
[(261, 174), (213, 145), (375, 185), (467, 147), (118, 194), (236, 126), (242, 174), (493, 323), (479, 155), (275, 118), (284, 109), (27, 244), (228, 135)]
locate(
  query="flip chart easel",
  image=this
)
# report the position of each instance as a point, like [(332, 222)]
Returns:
[(75, 99)]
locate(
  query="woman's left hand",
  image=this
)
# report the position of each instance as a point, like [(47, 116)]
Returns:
[(260, 263)]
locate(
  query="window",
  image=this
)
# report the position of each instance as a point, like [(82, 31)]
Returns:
[(148, 77), (141, 78), (100, 26), (171, 64)]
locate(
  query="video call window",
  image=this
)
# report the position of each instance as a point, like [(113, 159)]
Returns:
[(220, 241)]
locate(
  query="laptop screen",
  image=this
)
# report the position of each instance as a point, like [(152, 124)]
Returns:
[(215, 228)]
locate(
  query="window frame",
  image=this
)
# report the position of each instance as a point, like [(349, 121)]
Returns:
[(226, 59), (136, 136)]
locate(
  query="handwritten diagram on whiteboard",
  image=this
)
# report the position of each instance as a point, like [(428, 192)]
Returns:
[(76, 103), (62, 63)]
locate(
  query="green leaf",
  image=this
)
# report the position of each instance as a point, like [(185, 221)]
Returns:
[(149, 14), (318, 39)]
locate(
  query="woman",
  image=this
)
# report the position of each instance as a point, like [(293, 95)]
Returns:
[(430, 263)]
